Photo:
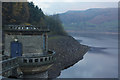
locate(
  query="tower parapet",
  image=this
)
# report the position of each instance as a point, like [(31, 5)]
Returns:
[(25, 29)]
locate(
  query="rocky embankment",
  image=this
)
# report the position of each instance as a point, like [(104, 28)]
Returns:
[(68, 52)]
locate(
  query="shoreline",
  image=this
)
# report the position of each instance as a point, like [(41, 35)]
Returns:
[(94, 32), (68, 52)]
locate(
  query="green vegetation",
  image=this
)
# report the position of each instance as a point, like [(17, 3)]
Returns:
[(14, 13), (17, 13), (55, 25)]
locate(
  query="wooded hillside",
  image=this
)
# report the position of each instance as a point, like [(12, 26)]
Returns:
[(94, 19), (17, 13)]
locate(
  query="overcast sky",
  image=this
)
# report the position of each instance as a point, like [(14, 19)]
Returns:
[(59, 6)]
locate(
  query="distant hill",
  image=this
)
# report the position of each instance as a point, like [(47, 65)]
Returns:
[(96, 19)]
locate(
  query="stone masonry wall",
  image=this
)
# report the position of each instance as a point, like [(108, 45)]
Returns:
[(30, 43)]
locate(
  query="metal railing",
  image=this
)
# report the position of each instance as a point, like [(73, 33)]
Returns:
[(9, 64)]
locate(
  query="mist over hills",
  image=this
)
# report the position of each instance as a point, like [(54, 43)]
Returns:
[(95, 19)]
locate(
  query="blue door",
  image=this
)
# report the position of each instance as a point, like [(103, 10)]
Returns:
[(16, 49)]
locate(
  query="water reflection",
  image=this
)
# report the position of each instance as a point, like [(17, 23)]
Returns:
[(100, 62)]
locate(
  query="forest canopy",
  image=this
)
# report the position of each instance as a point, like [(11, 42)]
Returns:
[(18, 13)]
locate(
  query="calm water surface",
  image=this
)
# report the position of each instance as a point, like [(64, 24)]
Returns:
[(101, 61)]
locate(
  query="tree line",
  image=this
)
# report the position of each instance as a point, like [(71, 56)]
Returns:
[(18, 13)]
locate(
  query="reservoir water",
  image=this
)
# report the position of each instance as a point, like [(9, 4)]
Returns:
[(101, 61)]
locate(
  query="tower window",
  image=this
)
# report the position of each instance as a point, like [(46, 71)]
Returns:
[(30, 60), (36, 60), (25, 60), (41, 59), (45, 59)]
